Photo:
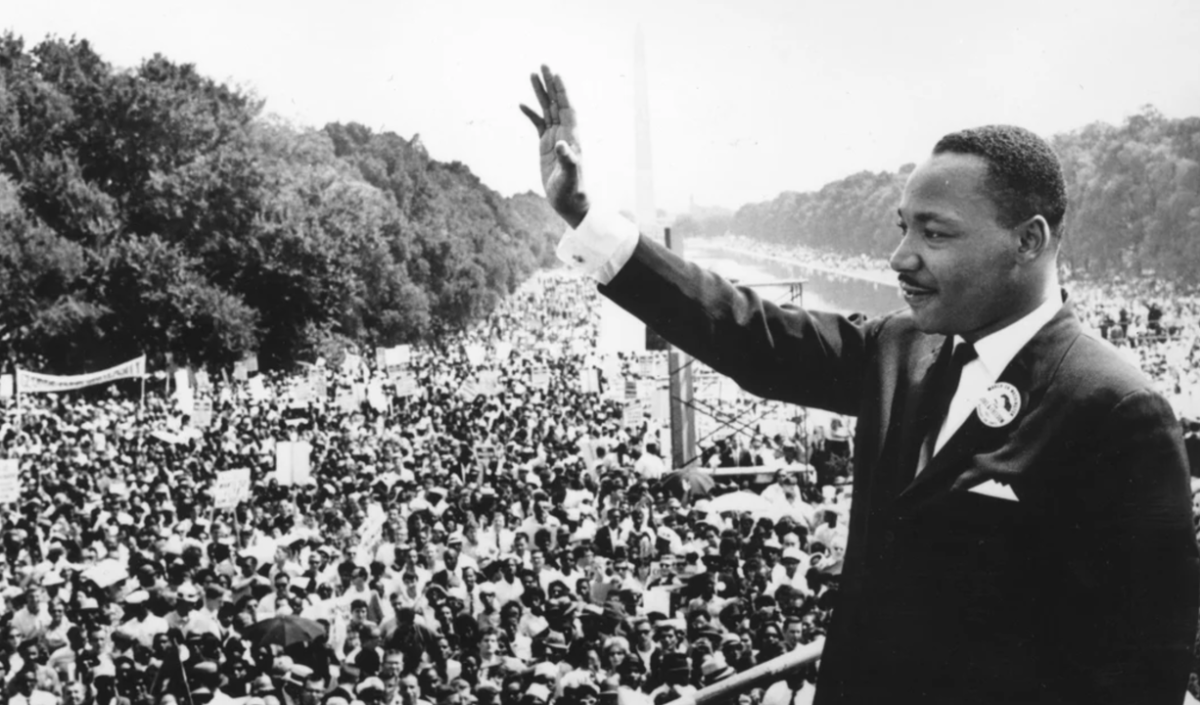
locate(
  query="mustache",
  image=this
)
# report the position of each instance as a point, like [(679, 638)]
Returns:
[(910, 281)]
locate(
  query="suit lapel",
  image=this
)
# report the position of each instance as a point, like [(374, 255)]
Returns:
[(1030, 372), (903, 442)]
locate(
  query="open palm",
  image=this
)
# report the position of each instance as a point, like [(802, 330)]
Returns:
[(558, 147)]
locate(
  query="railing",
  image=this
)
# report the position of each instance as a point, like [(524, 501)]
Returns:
[(772, 671)]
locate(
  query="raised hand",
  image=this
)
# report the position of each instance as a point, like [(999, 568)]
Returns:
[(559, 147)]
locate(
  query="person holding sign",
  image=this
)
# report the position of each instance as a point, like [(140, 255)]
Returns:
[(1021, 530)]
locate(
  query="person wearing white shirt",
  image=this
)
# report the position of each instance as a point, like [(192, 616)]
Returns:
[(649, 466)]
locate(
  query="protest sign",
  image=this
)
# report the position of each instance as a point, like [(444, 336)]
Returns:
[(202, 412), (398, 356), (230, 488), (10, 481), (657, 600), (633, 414), (406, 385), (589, 380), (318, 387), (258, 391), (293, 462)]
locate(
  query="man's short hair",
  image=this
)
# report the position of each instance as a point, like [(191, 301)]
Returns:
[(1024, 176)]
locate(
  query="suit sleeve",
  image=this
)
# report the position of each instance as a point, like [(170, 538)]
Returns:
[(1128, 628), (777, 352)]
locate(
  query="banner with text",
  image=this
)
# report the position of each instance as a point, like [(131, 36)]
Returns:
[(33, 382)]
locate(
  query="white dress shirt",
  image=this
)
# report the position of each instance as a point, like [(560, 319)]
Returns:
[(994, 352)]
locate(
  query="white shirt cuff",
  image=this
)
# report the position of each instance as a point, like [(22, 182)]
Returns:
[(600, 246)]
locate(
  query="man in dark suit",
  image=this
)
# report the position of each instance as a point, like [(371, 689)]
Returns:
[(1021, 530)]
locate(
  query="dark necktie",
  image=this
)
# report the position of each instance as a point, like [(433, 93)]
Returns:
[(941, 394)]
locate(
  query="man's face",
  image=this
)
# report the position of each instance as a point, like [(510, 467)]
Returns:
[(794, 633), (959, 269), (668, 638), (312, 693), (393, 666)]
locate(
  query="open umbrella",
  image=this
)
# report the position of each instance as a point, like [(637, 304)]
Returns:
[(689, 482), (743, 501), (284, 630)]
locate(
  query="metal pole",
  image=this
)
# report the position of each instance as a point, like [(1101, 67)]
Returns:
[(763, 674), (683, 415)]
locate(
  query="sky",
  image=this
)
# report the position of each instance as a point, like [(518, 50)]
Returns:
[(747, 98)]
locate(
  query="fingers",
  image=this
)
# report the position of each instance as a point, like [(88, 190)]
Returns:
[(560, 93), (540, 91), (552, 97), (536, 119), (566, 156)]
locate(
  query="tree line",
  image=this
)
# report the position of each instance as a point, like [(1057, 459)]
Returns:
[(1134, 194), (157, 211)]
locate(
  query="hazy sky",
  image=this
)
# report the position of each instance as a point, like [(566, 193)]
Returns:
[(748, 98)]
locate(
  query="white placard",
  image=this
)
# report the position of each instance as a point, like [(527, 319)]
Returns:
[(657, 600), (406, 385), (293, 462), (10, 481), (398, 356), (202, 412), (230, 488)]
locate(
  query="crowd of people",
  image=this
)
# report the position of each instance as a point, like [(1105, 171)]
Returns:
[(484, 522)]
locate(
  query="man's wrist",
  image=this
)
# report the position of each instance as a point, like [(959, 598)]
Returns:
[(599, 245)]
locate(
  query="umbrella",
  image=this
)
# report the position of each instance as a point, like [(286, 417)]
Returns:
[(742, 501), (687, 482), (284, 630)]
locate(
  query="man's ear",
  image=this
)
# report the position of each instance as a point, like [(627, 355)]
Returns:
[(1034, 238)]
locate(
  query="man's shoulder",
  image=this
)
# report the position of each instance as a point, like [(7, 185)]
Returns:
[(1094, 369)]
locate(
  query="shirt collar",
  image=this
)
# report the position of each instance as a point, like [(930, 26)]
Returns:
[(998, 349)]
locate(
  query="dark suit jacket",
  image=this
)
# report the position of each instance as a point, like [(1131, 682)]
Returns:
[(1085, 590)]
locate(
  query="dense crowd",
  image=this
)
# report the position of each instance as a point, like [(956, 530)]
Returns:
[(479, 523), (484, 521)]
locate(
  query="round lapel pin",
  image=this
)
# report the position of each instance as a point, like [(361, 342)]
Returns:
[(1000, 405)]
